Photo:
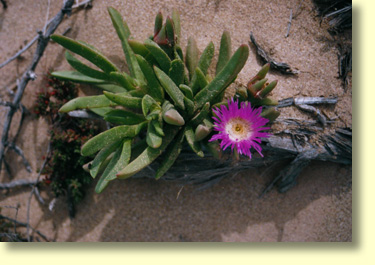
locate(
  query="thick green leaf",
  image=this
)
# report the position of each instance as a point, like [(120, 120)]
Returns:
[(111, 88), (76, 77), (119, 24), (190, 108), (153, 139), (101, 111), (170, 155), (199, 81), (200, 116), (177, 25), (101, 157), (86, 52), (118, 162), (206, 58), (123, 79), (187, 91), (169, 29), (158, 127), (124, 100), (177, 71), (194, 145), (160, 56), (225, 51), (154, 88), (170, 87), (224, 78), (84, 69), (158, 23), (123, 33), (150, 107), (148, 155), (191, 59), (110, 136), (123, 117), (87, 103), (140, 49)]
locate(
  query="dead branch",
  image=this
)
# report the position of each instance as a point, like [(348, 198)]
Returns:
[(84, 4), (283, 68), (306, 101), (2, 217), (29, 74), (34, 189), (18, 183)]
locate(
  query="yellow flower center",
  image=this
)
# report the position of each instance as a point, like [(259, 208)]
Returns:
[(238, 129)]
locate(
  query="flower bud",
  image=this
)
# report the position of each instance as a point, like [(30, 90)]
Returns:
[(173, 117)]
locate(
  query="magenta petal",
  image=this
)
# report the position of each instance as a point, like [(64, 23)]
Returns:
[(247, 117)]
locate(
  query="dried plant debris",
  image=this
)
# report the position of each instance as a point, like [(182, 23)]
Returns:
[(345, 64), (337, 12), (283, 68)]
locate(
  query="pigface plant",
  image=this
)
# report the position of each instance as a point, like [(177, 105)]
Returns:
[(165, 101)]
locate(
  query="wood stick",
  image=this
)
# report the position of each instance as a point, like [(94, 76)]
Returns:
[(29, 74)]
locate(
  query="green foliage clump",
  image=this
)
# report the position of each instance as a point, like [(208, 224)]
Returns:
[(163, 102)]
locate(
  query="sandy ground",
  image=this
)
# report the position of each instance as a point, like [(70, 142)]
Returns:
[(319, 208)]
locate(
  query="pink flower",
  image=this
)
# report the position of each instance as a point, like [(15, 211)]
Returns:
[(241, 128)]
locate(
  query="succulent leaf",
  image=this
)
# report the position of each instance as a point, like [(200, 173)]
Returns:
[(206, 58), (224, 52), (170, 87), (199, 80), (123, 79), (122, 29), (76, 77), (150, 107), (201, 115), (224, 78), (169, 29), (170, 155), (153, 139), (177, 71), (160, 56), (154, 88), (177, 25), (191, 59), (84, 69), (158, 23), (194, 145), (148, 155), (120, 160), (123, 117), (140, 49), (187, 91), (89, 102), (201, 132), (271, 114), (268, 89), (124, 99), (101, 157), (86, 52), (110, 136), (111, 88), (158, 127)]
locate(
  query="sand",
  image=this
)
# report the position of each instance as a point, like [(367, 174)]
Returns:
[(318, 208)]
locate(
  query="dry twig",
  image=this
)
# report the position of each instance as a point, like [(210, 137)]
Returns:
[(25, 225), (278, 66), (29, 74)]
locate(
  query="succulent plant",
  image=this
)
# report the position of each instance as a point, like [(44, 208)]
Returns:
[(257, 91), (164, 101)]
